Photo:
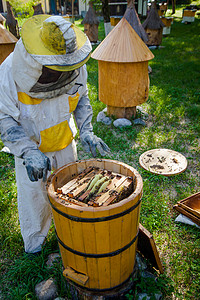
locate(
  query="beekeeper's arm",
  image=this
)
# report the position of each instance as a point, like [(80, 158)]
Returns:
[(83, 116), (14, 137)]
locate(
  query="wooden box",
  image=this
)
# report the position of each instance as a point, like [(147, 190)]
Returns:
[(190, 207), (191, 204), (189, 13), (114, 20), (166, 21)]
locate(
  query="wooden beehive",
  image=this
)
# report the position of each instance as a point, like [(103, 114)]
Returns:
[(91, 24), (153, 27), (123, 70), (163, 7), (188, 15), (132, 17), (7, 43), (167, 21), (114, 20), (98, 244)]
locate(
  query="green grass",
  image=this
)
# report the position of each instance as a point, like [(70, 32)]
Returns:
[(174, 122)]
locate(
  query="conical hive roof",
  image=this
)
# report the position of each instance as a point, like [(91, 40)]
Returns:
[(132, 17), (153, 20), (6, 37), (122, 44), (90, 17)]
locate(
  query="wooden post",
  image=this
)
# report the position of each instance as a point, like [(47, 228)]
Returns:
[(73, 11), (38, 9)]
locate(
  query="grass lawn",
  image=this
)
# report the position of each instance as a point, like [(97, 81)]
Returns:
[(174, 122)]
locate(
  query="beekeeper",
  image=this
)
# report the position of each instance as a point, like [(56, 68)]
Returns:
[(42, 83)]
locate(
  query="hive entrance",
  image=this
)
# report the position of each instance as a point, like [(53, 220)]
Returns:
[(96, 187)]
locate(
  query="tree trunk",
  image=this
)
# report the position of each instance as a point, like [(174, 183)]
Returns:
[(37, 9), (173, 6), (106, 11), (11, 22)]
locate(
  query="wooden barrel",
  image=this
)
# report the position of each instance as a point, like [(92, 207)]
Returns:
[(97, 244), (123, 86)]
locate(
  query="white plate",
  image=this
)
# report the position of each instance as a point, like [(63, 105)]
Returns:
[(163, 161)]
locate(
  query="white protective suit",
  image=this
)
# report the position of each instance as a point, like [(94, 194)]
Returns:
[(44, 122)]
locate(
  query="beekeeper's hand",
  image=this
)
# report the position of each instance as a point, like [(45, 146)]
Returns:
[(37, 164), (91, 142)]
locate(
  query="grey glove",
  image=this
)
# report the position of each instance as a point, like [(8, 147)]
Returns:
[(37, 164), (91, 142)]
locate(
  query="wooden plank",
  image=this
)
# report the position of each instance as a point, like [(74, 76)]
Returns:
[(75, 276), (147, 247), (115, 183), (113, 166), (78, 245), (88, 230), (102, 240), (115, 229), (121, 190), (72, 201), (82, 177), (74, 191), (65, 234)]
